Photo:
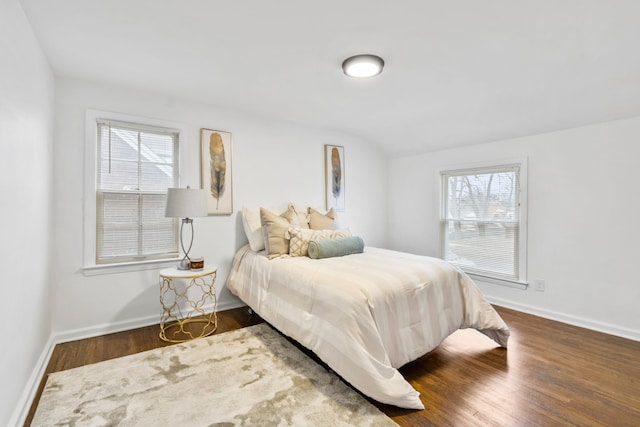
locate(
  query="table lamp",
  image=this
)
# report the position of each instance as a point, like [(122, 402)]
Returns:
[(186, 203)]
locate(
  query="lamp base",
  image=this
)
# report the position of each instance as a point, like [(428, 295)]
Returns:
[(185, 264)]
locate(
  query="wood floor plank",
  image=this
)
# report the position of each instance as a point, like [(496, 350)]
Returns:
[(552, 374)]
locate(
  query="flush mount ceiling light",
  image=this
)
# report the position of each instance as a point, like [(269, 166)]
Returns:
[(362, 66)]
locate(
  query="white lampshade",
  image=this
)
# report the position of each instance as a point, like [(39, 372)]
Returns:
[(186, 202), (363, 66)]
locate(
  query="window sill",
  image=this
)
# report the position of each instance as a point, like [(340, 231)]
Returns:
[(502, 282), (125, 267)]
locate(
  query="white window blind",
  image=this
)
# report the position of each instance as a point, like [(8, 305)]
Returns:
[(135, 166), (481, 221)]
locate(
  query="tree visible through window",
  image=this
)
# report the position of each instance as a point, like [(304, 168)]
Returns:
[(480, 224), (135, 166)]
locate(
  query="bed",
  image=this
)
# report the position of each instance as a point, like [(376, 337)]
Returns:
[(366, 314)]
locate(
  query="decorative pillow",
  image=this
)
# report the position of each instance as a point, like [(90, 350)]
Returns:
[(320, 221), (298, 216), (253, 228), (326, 248), (300, 237), (275, 231)]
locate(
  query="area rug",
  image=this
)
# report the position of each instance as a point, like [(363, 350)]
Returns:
[(248, 377)]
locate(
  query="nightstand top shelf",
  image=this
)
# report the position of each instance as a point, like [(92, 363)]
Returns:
[(186, 274)]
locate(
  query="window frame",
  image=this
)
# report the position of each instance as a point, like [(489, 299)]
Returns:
[(521, 238), (93, 118)]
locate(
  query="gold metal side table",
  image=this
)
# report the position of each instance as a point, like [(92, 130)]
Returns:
[(184, 297)]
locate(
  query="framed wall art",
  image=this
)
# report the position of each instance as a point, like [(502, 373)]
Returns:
[(334, 172), (217, 171)]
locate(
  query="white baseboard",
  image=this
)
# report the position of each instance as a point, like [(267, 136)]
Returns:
[(582, 322), (140, 322), (24, 404), (104, 329)]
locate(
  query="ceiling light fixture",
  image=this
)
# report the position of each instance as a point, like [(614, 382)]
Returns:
[(362, 66)]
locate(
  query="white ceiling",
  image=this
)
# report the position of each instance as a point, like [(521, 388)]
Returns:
[(457, 72)]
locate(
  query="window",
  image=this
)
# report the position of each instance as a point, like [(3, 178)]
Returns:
[(482, 225), (135, 164)]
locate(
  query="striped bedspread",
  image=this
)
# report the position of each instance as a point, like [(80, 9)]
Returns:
[(365, 315)]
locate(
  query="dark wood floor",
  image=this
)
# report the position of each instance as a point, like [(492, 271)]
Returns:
[(553, 374)]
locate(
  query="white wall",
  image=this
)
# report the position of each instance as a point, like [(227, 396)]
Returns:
[(583, 230), (26, 129), (273, 163)]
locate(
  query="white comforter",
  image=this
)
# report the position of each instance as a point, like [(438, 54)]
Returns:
[(365, 315)]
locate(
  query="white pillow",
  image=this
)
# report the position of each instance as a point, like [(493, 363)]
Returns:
[(253, 228)]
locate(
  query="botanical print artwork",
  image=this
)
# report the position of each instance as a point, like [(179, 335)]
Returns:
[(218, 167), (216, 171), (334, 177), (336, 173)]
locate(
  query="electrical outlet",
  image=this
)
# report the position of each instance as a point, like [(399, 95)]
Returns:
[(540, 286)]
